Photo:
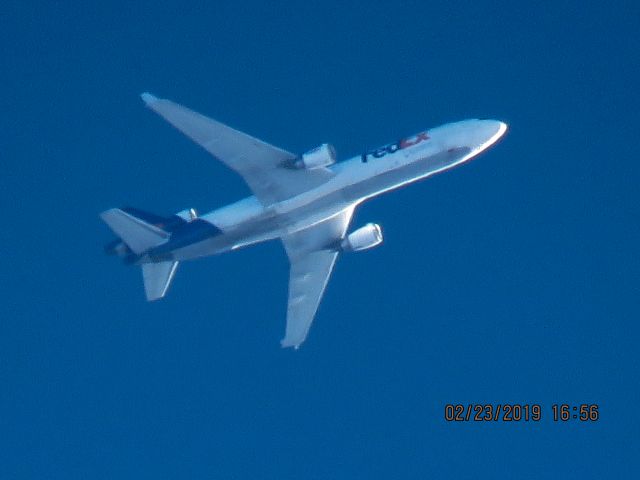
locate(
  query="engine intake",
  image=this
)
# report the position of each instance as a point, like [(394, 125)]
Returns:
[(363, 238), (319, 157)]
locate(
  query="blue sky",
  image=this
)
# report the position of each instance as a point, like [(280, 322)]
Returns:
[(511, 280)]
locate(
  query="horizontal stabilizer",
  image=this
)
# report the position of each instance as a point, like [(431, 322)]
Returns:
[(139, 235), (157, 278)]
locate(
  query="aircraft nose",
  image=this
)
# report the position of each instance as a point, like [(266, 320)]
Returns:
[(474, 134), (487, 132), (493, 129), (493, 126)]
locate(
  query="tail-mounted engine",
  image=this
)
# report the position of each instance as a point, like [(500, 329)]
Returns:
[(363, 238), (319, 157), (188, 215)]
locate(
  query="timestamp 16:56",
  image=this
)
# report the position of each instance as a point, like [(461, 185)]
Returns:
[(584, 412), (514, 412)]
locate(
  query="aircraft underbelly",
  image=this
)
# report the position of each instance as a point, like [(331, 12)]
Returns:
[(264, 229), (225, 242), (270, 224), (409, 172)]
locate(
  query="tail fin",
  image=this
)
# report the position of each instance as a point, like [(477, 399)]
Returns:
[(157, 278), (139, 235)]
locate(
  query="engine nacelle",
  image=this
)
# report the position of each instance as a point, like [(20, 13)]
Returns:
[(188, 215), (321, 156), (363, 238)]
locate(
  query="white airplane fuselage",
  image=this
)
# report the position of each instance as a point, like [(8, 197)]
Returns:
[(248, 221)]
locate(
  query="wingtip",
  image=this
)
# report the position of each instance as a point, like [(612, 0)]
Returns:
[(107, 213), (286, 344), (148, 97)]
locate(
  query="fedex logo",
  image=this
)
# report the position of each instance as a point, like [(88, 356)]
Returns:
[(394, 147)]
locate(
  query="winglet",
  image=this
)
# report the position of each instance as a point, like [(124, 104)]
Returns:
[(148, 97)]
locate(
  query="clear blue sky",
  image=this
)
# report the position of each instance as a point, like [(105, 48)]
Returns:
[(511, 280)]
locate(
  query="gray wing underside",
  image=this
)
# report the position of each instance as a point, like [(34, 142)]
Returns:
[(157, 278), (259, 164), (312, 253)]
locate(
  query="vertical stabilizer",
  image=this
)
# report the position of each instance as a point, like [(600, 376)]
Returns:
[(157, 278)]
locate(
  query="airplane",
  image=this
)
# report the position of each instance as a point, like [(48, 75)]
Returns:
[(307, 201)]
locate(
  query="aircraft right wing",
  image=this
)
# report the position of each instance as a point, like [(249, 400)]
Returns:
[(260, 164)]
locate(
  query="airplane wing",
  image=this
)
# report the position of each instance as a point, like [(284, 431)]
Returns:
[(312, 253), (260, 164)]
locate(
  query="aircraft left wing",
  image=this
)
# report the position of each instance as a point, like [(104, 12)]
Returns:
[(261, 165), (312, 253)]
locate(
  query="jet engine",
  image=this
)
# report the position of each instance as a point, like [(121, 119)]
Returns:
[(188, 215), (363, 238), (321, 156)]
